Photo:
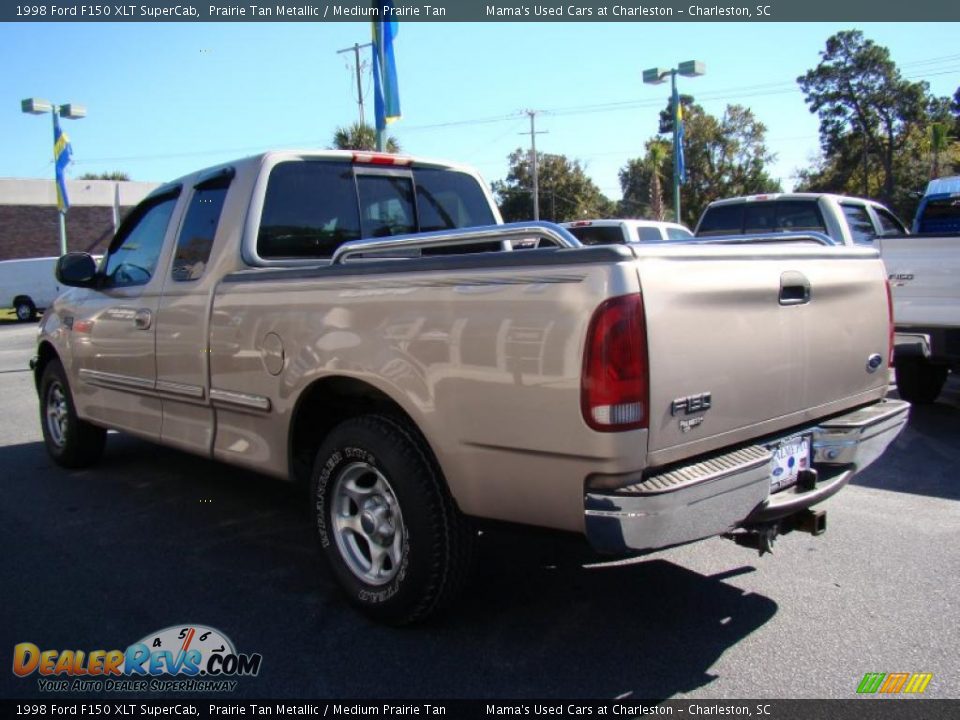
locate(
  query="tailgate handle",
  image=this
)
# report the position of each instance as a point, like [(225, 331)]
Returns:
[(794, 288)]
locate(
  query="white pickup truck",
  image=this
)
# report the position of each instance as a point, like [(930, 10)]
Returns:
[(336, 319), (924, 273), (845, 220), (923, 268)]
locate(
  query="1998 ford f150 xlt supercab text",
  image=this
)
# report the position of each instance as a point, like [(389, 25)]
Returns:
[(326, 318)]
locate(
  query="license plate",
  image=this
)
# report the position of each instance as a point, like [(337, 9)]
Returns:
[(790, 456)]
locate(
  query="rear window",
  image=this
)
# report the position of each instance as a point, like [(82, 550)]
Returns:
[(762, 217), (722, 220), (799, 215), (312, 207), (678, 234), (598, 234)]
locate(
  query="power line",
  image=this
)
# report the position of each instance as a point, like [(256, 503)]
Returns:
[(742, 92)]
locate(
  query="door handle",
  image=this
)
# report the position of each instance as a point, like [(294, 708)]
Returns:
[(143, 319), (794, 288)]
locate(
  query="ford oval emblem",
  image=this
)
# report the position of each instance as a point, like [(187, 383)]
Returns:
[(874, 362), (777, 472)]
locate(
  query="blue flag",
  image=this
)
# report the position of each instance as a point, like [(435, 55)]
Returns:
[(63, 154), (386, 96), (681, 165)]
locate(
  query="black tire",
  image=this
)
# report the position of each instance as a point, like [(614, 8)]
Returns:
[(919, 381), (25, 309), (373, 473), (70, 441)]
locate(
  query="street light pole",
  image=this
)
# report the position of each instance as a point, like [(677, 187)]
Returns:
[(655, 76), (70, 111), (674, 107)]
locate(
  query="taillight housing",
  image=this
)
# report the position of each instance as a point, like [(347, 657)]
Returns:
[(891, 333), (615, 385)]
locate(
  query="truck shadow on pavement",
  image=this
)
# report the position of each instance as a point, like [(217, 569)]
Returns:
[(153, 538), (929, 441)]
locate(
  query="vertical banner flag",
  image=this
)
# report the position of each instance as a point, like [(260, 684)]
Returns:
[(386, 101), (681, 165), (62, 154)]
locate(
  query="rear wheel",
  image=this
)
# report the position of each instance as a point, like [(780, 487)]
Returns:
[(70, 441), (394, 538), (920, 381), (25, 309)]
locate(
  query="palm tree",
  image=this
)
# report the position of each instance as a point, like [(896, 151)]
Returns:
[(656, 154), (360, 136)]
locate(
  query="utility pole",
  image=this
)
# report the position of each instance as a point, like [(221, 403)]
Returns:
[(356, 63), (533, 161)]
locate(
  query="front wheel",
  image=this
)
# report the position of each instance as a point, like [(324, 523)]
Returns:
[(70, 441), (394, 538), (919, 381)]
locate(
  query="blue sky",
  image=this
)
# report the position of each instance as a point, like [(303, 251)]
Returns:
[(168, 98)]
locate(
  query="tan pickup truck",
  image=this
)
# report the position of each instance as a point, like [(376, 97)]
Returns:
[(365, 325)]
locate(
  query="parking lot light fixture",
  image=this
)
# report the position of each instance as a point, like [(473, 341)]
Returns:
[(656, 76), (70, 111)]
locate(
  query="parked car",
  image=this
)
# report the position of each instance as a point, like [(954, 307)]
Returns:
[(924, 273), (845, 220), (610, 232), (245, 313), (28, 286)]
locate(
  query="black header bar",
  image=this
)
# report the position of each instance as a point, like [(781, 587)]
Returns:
[(485, 11)]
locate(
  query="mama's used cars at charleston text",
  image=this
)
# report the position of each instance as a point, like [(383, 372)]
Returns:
[(364, 324)]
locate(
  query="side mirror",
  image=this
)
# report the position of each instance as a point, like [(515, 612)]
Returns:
[(76, 269)]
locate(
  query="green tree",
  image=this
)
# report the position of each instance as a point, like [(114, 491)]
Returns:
[(724, 157), (115, 175), (955, 109), (843, 171), (656, 154), (641, 183), (856, 88), (361, 137), (566, 192)]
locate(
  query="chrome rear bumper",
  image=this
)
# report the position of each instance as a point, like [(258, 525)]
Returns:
[(721, 493)]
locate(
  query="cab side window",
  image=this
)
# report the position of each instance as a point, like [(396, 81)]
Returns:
[(889, 225), (199, 227), (859, 221), (134, 252)]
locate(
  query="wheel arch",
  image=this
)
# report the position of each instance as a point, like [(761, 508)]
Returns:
[(329, 401), (45, 354)]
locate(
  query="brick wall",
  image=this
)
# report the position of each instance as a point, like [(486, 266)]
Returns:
[(34, 230)]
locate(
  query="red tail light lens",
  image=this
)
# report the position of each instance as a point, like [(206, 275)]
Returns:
[(381, 158), (614, 391), (890, 336)]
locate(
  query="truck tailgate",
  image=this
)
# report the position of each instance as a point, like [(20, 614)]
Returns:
[(924, 273), (770, 353)]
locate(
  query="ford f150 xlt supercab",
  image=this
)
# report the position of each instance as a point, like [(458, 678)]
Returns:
[(364, 324)]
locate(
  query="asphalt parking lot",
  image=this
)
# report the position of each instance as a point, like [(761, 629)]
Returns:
[(153, 538)]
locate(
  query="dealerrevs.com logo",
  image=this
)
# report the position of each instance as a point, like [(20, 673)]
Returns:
[(180, 658)]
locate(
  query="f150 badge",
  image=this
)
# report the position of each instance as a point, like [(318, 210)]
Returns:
[(689, 405)]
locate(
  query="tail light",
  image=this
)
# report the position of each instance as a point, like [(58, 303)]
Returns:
[(890, 334), (614, 388)]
